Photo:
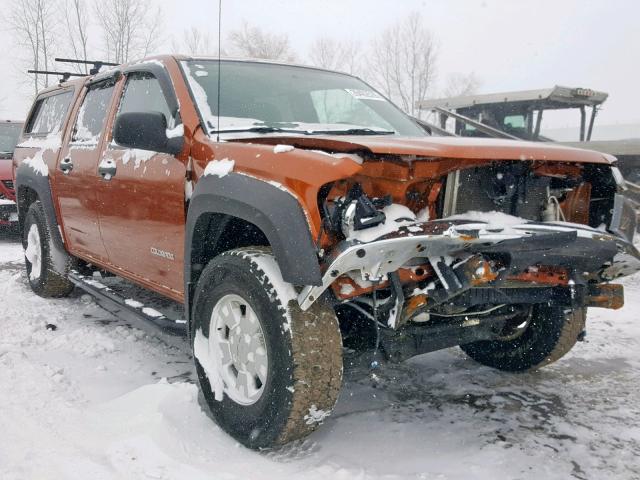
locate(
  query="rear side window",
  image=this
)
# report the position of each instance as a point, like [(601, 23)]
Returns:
[(49, 113), (93, 113)]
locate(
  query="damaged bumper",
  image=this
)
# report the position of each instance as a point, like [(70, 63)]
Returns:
[(589, 253)]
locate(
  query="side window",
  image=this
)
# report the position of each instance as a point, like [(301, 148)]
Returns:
[(143, 94), (514, 121), (93, 113), (49, 113)]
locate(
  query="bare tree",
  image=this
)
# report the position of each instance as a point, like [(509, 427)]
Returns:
[(77, 27), (130, 28), (402, 62), (194, 42), (33, 22), (335, 54), (459, 84), (251, 41)]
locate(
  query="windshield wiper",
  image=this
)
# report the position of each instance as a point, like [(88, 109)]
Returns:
[(274, 129), (356, 131), (261, 129)]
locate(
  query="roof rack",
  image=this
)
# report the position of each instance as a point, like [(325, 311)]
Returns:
[(96, 64), (64, 76)]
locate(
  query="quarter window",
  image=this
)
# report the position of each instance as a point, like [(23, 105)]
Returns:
[(49, 113), (93, 113)]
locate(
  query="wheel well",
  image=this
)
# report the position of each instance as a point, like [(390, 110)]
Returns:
[(216, 233), (25, 196)]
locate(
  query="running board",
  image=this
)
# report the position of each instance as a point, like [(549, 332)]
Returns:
[(132, 308)]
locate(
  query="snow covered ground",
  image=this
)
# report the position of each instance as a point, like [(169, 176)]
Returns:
[(98, 399)]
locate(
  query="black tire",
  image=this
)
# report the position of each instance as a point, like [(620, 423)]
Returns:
[(47, 282), (549, 335), (305, 353)]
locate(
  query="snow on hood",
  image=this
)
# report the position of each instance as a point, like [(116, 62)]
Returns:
[(437, 147)]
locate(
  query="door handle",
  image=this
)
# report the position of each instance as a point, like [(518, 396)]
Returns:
[(66, 165), (107, 169)]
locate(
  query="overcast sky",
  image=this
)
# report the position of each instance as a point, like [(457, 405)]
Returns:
[(508, 44)]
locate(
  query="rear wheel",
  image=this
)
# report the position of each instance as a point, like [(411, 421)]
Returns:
[(542, 336), (43, 277), (269, 372)]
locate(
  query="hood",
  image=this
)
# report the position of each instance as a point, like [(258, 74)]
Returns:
[(6, 169), (438, 147)]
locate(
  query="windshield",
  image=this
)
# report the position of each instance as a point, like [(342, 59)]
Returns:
[(9, 133), (265, 98)]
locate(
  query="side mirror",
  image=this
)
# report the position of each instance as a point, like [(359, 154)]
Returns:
[(146, 131)]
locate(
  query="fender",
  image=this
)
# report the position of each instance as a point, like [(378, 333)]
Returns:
[(276, 212), (26, 177)]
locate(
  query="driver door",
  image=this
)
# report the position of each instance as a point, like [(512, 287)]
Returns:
[(142, 198)]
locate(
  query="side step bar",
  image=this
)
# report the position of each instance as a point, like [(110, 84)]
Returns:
[(133, 309)]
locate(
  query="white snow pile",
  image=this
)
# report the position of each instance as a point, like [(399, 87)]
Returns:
[(282, 290), (493, 219), (315, 415), (152, 61), (137, 155), (152, 312), (98, 399), (340, 156), (219, 168), (177, 131), (209, 360), (346, 289), (199, 94), (33, 253), (133, 303), (283, 148), (188, 189), (396, 216), (37, 163)]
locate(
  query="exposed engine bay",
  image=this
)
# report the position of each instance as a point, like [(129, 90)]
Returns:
[(410, 242)]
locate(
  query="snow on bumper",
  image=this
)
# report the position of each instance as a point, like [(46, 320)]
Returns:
[(609, 256)]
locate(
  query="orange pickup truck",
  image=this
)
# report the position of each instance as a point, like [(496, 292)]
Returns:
[(295, 211)]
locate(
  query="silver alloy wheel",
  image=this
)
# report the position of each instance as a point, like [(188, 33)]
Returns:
[(236, 335), (33, 252)]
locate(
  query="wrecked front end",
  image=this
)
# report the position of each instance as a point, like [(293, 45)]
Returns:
[(436, 253)]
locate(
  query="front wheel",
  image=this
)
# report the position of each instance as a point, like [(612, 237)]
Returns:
[(542, 336), (269, 372)]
